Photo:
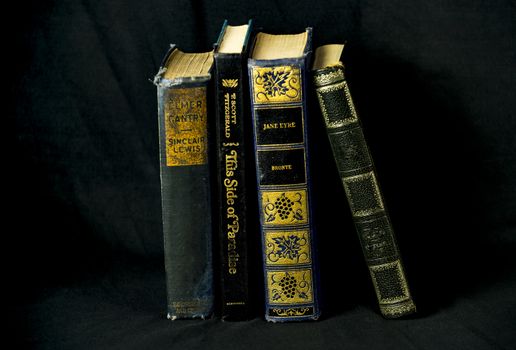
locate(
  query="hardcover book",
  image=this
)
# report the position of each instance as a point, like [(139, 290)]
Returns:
[(182, 86), (231, 88), (278, 90), (359, 179)]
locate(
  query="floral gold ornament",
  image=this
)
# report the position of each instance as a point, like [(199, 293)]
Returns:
[(281, 84), (287, 247)]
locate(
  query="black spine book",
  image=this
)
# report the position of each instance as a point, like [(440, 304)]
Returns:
[(230, 55)]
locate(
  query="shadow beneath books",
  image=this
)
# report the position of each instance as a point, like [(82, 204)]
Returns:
[(429, 159)]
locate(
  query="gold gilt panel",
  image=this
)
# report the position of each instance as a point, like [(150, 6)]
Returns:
[(287, 247), (290, 286), (281, 84), (284, 207), (186, 127)]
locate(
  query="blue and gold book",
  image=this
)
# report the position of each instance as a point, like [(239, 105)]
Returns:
[(183, 91), (277, 69)]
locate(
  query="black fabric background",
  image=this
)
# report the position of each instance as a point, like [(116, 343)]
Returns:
[(434, 83)]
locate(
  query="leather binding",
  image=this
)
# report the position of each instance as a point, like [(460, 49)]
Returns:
[(231, 118), (359, 179), (185, 193), (278, 90)]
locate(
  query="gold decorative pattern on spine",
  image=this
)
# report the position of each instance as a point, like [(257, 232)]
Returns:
[(188, 307), (298, 311), (404, 294), (397, 310), (186, 126), (332, 121), (281, 84), (289, 286), (284, 207), (329, 78), (354, 196), (290, 247), (230, 83)]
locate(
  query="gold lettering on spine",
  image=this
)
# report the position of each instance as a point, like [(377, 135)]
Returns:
[(186, 127), (281, 167), (233, 225), (185, 308), (231, 184), (230, 113), (289, 125)]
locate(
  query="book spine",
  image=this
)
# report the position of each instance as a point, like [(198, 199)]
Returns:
[(278, 98), (185, 195), (363, 193), (230, 122)]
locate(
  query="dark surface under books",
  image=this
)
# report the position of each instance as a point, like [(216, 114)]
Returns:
[(434, 84)]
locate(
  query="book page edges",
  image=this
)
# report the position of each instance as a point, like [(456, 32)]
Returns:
[(234, 39), (327, 56), (271, 46), (187, 65)]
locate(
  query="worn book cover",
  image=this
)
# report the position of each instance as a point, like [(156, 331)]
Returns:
[(231, 90), (182, 86), (277, 69), (361, 186)]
